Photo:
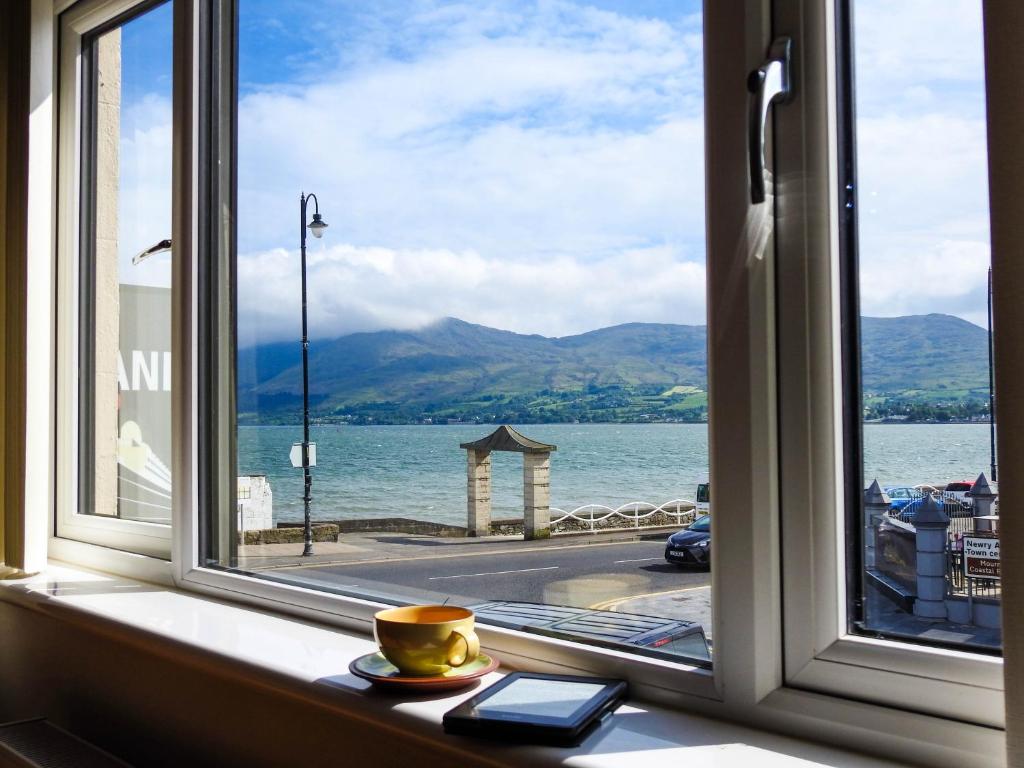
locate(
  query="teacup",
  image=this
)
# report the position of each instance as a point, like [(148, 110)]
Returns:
[(426, 639)]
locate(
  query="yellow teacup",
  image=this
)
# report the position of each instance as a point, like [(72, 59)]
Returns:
[(426, 639)]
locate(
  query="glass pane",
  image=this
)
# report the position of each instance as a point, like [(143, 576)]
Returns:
[(514, 195), (126, 271), (930, 521)]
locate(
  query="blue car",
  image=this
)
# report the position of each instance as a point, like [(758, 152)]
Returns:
[(902, 497), (692, 545)]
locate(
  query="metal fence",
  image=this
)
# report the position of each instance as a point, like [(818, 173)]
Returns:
[(635, 514), (960, 514), (959, 585)]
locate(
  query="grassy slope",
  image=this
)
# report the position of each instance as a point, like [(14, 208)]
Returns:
[(454, 369)]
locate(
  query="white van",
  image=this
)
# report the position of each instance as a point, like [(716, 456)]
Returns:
[(703, 498)]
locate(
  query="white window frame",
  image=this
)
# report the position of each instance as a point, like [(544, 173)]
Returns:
[(129, 535), (949, 683), (661, 680), (768, 671)]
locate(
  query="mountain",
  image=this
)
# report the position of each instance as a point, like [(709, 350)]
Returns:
[(454, 370), (934, 353)]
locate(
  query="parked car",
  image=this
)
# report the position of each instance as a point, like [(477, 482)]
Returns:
[(959, 490), (703, 497), (901, 497), (692, 545), (904, 502)]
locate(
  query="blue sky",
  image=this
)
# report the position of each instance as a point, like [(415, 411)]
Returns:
[(922, 160), (472, 159), (475, 158), (144, 212)]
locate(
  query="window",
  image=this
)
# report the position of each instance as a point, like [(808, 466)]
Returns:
[(922, 240), (896, 215), (117, 277), (502, 242), (782, 359)]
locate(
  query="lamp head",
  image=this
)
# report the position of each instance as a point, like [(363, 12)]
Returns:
[(317, 226)]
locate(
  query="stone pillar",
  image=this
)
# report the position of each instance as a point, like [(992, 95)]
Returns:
[(932, 526), (478, 493), (983, 497), (536, 495), (106, 304), (876, 504)]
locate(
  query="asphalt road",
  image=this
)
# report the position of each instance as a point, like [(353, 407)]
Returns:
[(581, 576)]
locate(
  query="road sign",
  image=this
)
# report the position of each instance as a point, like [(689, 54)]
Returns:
[(981, 557), (296, 454)]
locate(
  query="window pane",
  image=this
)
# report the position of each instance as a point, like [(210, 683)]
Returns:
[(126, 271), (514, 204), (930, 516)]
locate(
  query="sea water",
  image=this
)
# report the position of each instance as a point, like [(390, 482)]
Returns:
[(420, 472)]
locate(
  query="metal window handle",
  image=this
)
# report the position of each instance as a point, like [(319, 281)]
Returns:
[(767, 84)]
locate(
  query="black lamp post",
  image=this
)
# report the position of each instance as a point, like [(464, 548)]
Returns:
[(991, 387), (317, 227)]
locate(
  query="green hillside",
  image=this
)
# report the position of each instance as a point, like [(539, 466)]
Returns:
[(454, 370)]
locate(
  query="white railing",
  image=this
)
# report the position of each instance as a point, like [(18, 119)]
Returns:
[(681, 511)]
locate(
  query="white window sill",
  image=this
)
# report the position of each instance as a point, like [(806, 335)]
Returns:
[(302, 659)]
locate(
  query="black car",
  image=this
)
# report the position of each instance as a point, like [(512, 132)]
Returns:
[(692, 545)]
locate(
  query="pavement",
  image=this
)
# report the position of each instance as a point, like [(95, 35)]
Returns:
[(368, 546), (885, 616), (621, 571), (692, 603)]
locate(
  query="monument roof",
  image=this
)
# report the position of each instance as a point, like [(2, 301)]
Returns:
[(504, 438)]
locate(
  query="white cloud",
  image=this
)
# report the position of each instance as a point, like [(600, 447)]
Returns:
[(476, 159), (902, 45), (921, 274), (355, 289), (922, 158), (144, 202), (539, 142)]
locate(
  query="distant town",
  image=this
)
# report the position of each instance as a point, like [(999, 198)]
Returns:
[(915, 369)]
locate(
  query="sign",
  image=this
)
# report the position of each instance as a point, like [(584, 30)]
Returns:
[(143, 371), (981, 557), (296, 454)]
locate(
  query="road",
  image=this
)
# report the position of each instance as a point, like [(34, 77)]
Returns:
[(592, 575)]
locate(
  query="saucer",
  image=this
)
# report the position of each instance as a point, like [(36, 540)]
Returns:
[(381, 672)]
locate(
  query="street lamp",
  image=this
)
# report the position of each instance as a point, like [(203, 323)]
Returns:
[(317, 227)]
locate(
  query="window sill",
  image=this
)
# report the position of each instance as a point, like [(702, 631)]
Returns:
[(305, 660)]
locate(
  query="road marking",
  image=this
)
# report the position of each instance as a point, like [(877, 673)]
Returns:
[(400, 556), (608, 605), (491, 573), (639, 560)]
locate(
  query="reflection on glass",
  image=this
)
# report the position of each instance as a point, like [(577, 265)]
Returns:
[(928, 451), (126, 299), (515, 194)]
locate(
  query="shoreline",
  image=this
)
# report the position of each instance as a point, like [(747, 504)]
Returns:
[(320, 423)]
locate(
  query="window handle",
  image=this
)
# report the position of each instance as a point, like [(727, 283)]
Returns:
[(767, 84)]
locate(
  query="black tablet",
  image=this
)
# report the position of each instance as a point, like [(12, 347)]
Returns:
[(561, 710)]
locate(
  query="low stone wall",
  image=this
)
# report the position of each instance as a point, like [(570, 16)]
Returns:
[(508, 527), (291, 535), (986, 612), (503, 527), (390, 525)]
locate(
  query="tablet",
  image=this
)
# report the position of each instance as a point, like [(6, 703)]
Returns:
[(545, 709)]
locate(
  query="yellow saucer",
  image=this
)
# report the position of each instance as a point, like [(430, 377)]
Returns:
[(381, 672)]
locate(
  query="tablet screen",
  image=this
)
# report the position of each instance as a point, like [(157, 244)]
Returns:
[(539, 698)]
